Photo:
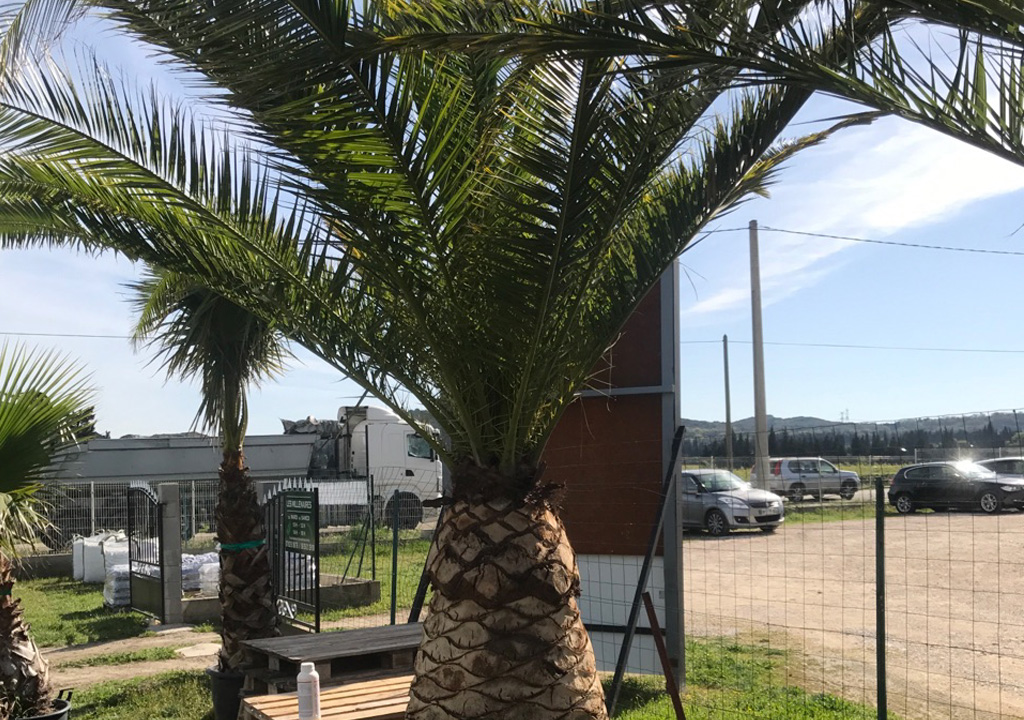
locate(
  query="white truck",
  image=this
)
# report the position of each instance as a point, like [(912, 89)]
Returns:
[(359, 460)]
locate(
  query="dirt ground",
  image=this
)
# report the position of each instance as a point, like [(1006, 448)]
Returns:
[(198, 651), (954, 598)]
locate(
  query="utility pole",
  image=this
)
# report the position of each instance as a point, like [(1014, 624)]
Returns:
[(760, 405), (728, 404)]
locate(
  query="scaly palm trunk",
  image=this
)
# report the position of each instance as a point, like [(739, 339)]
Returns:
[(504, 637), (24, 672), (246, 598)]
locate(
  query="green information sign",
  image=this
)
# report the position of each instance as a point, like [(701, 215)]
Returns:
[(300, 521)]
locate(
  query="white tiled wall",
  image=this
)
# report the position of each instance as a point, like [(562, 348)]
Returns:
[(608, 585)]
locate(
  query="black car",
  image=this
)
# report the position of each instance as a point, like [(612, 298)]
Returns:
[(954, 485), (1004, 466)]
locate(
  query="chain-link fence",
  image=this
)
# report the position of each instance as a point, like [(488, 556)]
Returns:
[(861, 602), (374, 533)]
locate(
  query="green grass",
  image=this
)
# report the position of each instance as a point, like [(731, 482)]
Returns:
[(171, 696), (729, 680), (123, 658), (66, 612), (344, 550), (724, 680), (827, 511)]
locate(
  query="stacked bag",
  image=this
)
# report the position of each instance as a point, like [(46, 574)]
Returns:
[(117, 580), (298, 570), (192, 572), (87, 562), (198, 572), (209, 578)]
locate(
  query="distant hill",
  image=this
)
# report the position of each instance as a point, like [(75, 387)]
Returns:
[(802, 434), (1000, 421)]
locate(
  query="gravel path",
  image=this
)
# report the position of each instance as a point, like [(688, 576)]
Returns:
[(955, 607), (200, 651)]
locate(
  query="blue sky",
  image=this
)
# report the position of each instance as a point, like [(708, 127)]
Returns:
[(889, 181), (892, 181)]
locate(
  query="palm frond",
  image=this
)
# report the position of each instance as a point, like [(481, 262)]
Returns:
[(43, 395), (23, 515), (952, 66), (199, 333)]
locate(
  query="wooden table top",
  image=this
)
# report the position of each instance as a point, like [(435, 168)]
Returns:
[(380, 699), (323, 647)]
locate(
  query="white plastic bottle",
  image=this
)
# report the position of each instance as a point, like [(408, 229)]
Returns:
[(309, 692)]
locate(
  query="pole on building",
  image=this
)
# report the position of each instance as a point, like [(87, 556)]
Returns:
[(760, 405), (675, 630), (728, 403)]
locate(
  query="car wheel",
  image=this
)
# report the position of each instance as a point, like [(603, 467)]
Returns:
[(904, 504), (990, 502), (797, 492), (769, 529), (848, 490), (716, 523)]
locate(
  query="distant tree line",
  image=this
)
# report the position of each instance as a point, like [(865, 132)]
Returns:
[(848, 440)]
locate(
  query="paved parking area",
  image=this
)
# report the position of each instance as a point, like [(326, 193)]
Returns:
[(954, 596)]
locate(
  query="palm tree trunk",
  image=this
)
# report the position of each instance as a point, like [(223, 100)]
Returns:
[(504, 637), (24, 673), (246, 597)]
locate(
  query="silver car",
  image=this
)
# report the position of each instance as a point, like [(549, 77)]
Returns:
[(718, 501)]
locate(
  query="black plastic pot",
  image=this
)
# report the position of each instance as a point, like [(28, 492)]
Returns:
[(61, 709), (226, 688)]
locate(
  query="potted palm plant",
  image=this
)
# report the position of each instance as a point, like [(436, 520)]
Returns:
[(41, 395)]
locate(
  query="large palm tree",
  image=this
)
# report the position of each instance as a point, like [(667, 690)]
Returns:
[(470, 229), (42, 396), (199, 333)]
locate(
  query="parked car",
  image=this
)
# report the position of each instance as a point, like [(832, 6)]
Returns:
[(1004, 466), (718, 501), (954, 485), (796, 477)]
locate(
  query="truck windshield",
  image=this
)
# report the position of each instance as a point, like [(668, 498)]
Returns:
[(418, 447)]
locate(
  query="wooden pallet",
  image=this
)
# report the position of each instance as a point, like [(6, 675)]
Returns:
[(382, 698), (335, 654)]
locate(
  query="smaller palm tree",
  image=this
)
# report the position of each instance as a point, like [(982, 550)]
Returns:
[(201, 333), (43, 396)]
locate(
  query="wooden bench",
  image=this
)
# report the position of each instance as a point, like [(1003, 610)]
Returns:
[(335, 654), (382, 698)]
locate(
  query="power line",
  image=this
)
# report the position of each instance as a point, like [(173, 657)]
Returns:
[(842, 346), (851, 238), (862, 347), (65, 335), (950, 248)]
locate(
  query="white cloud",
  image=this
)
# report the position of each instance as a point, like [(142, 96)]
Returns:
[(895, 176), (867, 182)]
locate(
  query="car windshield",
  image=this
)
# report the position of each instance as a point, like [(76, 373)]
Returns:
[(722, 481), (973, 471)]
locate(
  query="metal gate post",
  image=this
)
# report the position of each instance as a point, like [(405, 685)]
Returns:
[(880, 634), (92, 509), (170, 551)]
